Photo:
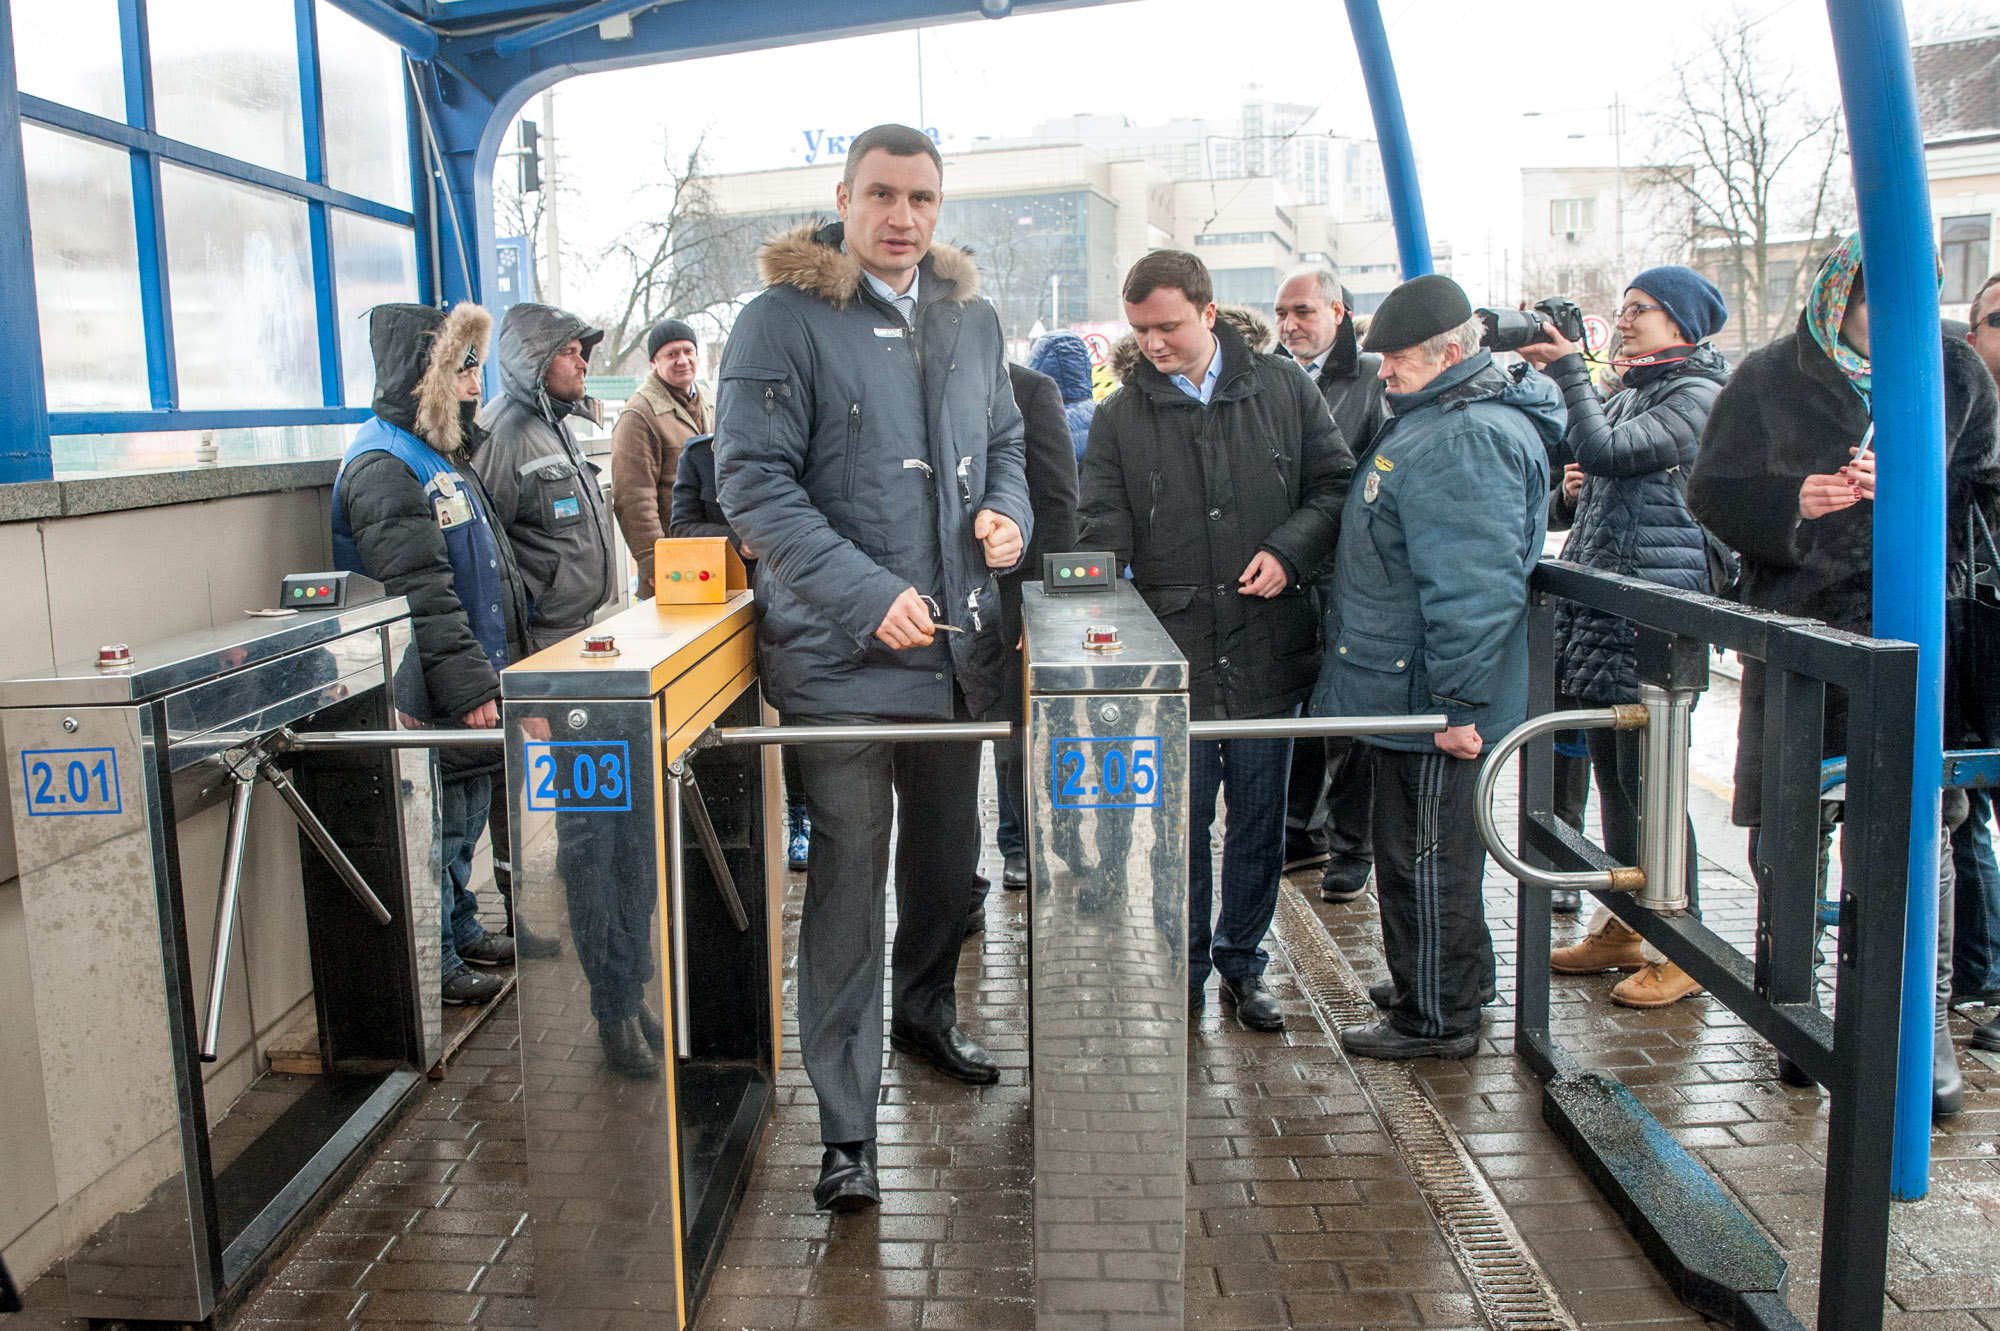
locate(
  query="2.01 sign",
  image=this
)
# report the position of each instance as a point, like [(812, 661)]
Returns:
[(64, 783), (1120, 773), (579, 776)]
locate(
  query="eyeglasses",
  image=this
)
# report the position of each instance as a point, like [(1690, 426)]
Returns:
[(1634, 309), (1991, 319)]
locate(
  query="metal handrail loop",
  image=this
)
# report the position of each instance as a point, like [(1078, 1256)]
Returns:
[(1624, 716)]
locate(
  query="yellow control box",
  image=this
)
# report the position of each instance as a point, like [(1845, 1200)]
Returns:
[(696, 570)]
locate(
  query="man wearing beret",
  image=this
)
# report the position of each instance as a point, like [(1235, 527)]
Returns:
[(668, 410), (1429, 613)]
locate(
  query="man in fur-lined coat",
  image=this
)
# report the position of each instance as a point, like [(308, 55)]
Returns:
[(409, 511), (868, 448)]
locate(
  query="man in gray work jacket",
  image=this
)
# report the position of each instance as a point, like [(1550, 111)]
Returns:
[(545, 492), (1429, 613), (869, 450)]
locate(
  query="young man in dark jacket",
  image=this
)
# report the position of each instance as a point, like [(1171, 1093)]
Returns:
[(1429, 613), (869, 451), (1332, 787), (409, 512), (1217, 475)]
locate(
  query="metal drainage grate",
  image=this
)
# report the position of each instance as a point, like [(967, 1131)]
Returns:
[(1511, 1288)]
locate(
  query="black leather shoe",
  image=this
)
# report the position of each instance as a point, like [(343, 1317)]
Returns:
[(975, 923), (1565, 901), (1947, 1084), (1383, 994), (1014, 871), (950, 1052), (650, 1027), (847, 1178), (1197, 1000), (533, 946), (1345, 879), (1381, 1040), (1975, 997), (1987, 1036), (626, 1051), (1255, 1007)]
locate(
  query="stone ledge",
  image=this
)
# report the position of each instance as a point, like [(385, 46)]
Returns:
[(123, 491)]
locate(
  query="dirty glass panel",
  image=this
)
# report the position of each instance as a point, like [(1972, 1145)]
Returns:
[(373, 262), (68, 52), (240, 267), (361, 87), (175, 450), (226, 77), (86, 272)]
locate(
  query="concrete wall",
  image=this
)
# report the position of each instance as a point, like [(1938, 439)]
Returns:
[(71, 583)]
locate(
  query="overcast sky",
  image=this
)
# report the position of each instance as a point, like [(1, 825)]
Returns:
[(1469, 70)]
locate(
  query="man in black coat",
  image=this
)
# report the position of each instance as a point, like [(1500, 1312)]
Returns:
[(1217, 475), (1051, 462), (1330, 804)]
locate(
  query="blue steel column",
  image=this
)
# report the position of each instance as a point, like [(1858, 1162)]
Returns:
[(1392, 132), (24, 407), (1872, 49)]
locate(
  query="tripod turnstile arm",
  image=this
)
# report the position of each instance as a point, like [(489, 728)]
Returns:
[(225, 908), (711, 845), (323, 839)]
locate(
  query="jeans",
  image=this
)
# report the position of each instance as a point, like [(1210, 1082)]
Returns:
[(462, 802), (1254, 773), (1976, 943)]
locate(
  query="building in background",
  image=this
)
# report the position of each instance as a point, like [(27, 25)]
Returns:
[(1958, 96)]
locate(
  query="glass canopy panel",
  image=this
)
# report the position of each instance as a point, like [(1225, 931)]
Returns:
[(373, 263), (367, 128), (226, 77), (239, 264), (86, 272), (69, 53)]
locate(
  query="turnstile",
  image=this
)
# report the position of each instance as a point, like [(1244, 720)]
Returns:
[(1107, 753), (661, 890), (171, 1210)]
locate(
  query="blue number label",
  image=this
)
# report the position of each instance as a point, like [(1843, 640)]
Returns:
[(1118, 773), (64, 783), (588, 776)]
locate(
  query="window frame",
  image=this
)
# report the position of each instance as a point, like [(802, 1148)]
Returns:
[(1970, 275), (148, 148)]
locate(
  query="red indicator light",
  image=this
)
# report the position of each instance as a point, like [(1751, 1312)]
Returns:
[(1093, 570), (328, 591), (704, 575)]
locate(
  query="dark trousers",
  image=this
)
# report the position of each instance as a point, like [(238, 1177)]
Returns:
[(1572, 771), (1429, 864), (1253, 772), (1329, 799), (609, 887), (852, 792), (462, 802), (1614, 757), (1976, 943)]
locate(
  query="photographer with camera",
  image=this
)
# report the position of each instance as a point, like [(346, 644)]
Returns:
[(1631, 516)]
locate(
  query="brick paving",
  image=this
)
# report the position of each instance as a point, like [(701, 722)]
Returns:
[(1299, 1211)]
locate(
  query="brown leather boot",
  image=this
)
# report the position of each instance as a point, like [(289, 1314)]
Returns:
[(1660, 983), (1609, 947)]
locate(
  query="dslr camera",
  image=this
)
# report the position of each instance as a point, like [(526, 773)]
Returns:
[(1510, 330)]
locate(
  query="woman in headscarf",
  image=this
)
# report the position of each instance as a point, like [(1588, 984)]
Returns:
[(1786, 476)]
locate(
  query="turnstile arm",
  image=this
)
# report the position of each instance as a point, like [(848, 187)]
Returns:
[(711, 845), (328, 847), (1302, 727), (225, 908)]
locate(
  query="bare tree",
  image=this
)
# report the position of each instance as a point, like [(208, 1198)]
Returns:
[(684, 258), (1015, 259), (1758, 181)]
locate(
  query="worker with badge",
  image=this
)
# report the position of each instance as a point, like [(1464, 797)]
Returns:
[(409, 512)]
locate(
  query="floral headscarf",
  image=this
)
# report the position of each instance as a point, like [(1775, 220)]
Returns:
[(1826, 306)]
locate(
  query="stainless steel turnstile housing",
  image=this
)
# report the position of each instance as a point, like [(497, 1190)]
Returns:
[(105, 765), (1107, 750)]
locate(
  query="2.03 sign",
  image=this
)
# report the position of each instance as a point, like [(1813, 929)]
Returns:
[(1118, 773), (579, 776)]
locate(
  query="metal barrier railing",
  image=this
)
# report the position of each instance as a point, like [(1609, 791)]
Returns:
[(1854, 1052)]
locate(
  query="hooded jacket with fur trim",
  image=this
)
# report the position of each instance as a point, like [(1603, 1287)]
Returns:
[(852, 454), (405, 478)]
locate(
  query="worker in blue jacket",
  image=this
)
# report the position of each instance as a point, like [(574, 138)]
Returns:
[(1429, 613)]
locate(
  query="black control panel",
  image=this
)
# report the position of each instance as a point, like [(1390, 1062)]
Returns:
[(327, 591), (1079, 571)]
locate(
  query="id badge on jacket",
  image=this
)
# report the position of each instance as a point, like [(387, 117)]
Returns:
[(449, 504)]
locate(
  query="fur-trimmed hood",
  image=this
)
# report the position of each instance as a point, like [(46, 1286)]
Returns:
[(418, 354), (810, 258)]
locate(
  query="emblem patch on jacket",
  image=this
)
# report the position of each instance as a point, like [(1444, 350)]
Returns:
[(1370, 488), (1383, 464), (449, 505)]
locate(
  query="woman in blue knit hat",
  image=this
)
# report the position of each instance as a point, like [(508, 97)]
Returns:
[(1626, 492)]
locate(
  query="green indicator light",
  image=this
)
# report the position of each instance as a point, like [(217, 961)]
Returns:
[(298, 593), (1062, 573), (677, 577)]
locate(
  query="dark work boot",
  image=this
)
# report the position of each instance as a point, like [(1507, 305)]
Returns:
[(1988, 1036), (626, 1050)]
